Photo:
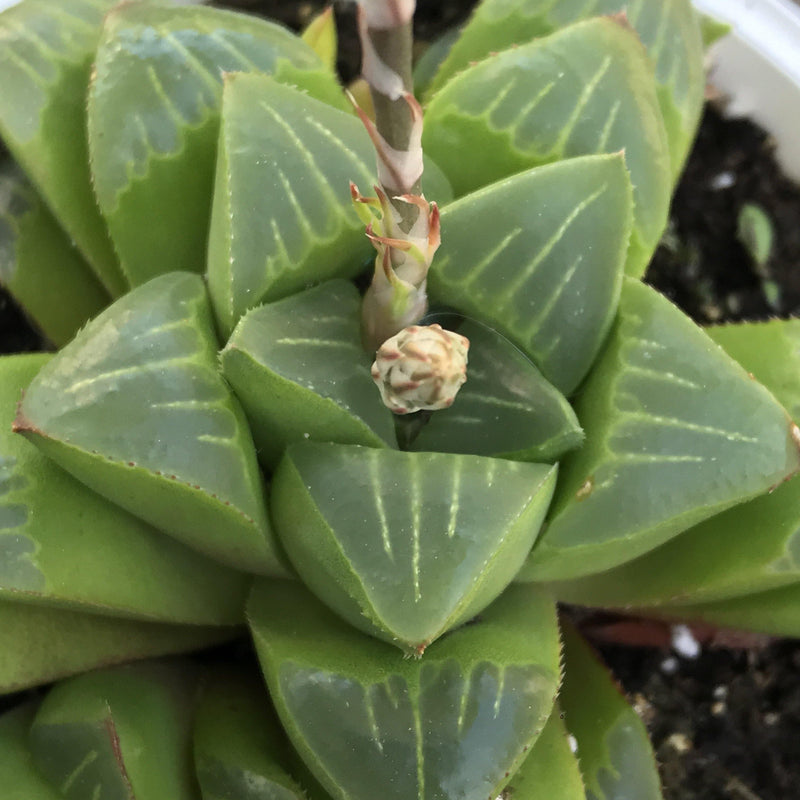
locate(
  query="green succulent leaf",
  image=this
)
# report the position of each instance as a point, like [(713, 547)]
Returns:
[(39, 266), (368, 722), (429, 62), (119, 733), (614, 752), (539, 257), (773, 612), (154, 111), (282, 214), (136, 409), (47, 53), (761, 538), (283, 217), (505, 409), (587, 89), (239, 747), (550, 771), (299, 370), (20, 778), (750, 548), (39, 645), (676, 432), (63, 545), (712, 29), (320, 35), (756, 233), (770, 352), (670, 32), (436, 536)]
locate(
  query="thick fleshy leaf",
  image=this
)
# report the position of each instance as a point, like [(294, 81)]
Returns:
[(773, 612), (452, 726), (539, 257), (406, 545), (427, 65), (63, 545), (47, 53), (154, 112), (712, 29), (299, 370), (283, 216), (770, 351), (750, 548), (586, 89), (670, 31), (676, 432), (761, 538), (614, 753), (19, 777), (240, 750), (505, 409), (320, 35), (39, 266), (119, 733), (550, 771), (39, 645), (136, 409)]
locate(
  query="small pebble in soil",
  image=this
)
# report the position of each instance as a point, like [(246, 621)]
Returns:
[(684, 643), (680, 742), (669, 666), (723, 180)]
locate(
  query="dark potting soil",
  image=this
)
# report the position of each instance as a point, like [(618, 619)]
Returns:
[(701, 265), (725, 724), (16, 335)]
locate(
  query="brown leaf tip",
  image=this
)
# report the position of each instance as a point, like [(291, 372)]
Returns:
[(621, 18), (21, 423)]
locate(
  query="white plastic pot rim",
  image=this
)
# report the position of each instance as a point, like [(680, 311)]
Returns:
[(770, 26), (758, 68)]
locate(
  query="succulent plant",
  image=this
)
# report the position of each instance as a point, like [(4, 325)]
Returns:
[(207, 448)]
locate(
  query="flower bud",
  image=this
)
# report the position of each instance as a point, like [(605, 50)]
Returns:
[(421, 368)]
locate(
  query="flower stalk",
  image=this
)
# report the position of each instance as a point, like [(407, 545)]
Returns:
[(402, 225)]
